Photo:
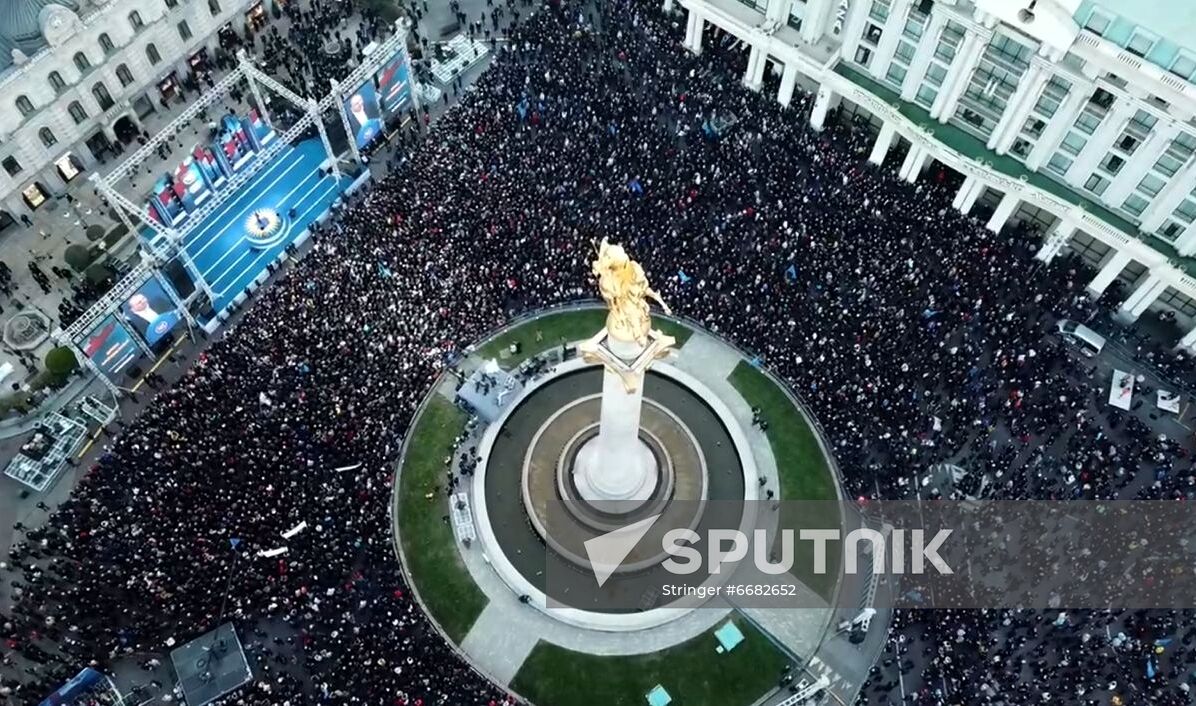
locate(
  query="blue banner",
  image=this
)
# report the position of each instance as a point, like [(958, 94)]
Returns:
[(79, 685)]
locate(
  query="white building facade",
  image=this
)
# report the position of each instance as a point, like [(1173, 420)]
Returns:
[(76, 78), (1073, 113)]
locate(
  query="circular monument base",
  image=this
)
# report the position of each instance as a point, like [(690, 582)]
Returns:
[(615, 487)]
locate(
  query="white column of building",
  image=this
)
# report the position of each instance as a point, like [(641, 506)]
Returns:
[(753, 78), (1140, 163), (1108, 272), (923, 53), (853, 28), (884, 141), (1019, 106), (887, 45), (668, 5), (813, 25), (1141, 298), (958, 75), (1002, 212), (1100, 141), (694, 28), (1188, 342), (969, 201), (1063, 118), (1055, 240), (778, 10), (1185, 244), (915, 160), (1167, 200), (965, 192), (822, 103), (788, 83)]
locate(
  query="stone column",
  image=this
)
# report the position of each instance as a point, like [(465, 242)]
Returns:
[(1188, 342), (617, 466), (915, 160), (1053, 133), (1139, 164), (753, 78), (1142, 297), (1100, 141), (884, 141), (788, 84), (958, 76), (822, 102), (1108, 272), (693, 31), (1029, 86), (1055, 241), (967, 194), (1002, 212), (923, 53)]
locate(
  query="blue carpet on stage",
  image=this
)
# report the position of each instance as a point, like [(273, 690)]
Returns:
[(224, 247)]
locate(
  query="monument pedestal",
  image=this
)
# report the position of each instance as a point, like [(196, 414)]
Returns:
[(616, 471)]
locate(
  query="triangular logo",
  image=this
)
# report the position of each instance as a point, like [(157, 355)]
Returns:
[(607, 551)]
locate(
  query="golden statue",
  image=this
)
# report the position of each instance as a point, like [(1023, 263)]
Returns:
[(624, 286)]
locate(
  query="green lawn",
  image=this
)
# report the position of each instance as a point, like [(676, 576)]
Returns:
[(429, 546), (692, 672), (803, 470), (541, 334)]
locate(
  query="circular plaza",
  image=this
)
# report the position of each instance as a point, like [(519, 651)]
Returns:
[(499, 540)]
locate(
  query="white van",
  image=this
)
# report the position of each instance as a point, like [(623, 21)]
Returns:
[(1088, 342)]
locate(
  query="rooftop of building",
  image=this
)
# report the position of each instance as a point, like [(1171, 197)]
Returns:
[(1170, 20)]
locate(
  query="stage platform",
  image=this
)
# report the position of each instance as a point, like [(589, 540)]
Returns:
[(232, 247)]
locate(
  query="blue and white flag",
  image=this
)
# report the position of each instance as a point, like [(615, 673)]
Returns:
[(683, 277)]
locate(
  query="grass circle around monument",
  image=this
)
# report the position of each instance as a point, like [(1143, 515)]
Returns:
[(691, 671)]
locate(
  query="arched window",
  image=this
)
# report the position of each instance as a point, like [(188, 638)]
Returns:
[(106, 43), (77, 112), (82, 63), (25, 105), (100, 91), (56, 81), (135, 21), (151, 53), (125, 76), (48, 138)]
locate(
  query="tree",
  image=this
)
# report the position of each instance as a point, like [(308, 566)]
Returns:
[(78, 257), (60, 363)]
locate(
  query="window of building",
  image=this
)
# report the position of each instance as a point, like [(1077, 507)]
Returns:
[(1135, 204), (184, 30), (100, 91), (1098, 22), (1176, 300), (171, 4), (1096, 184), (25, 105), (1034, 127), (1087, 122), (926, 96), (76, 111), (56, 82), (1184, 65), (12, 166), (214, 8), (879, 10), (896, 73), (1150, 185), (47, 137), (151, 53), (1140, 43), (1186, 211), (1059, 164), (106, 44), (1102, 98), (905, 50), (863, 55), (135, 21), (1021, 148), (935, 73), (1170, 231), (82, 62), (872, 34), (124, 75), (1073, 143), (1112, 164)]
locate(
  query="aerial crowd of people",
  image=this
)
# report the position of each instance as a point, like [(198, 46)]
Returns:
[(914, 334)]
